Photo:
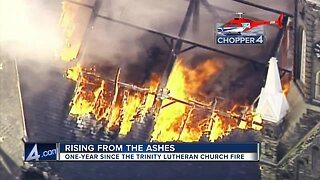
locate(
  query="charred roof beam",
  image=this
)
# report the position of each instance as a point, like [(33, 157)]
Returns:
[(188, 48), (169, 44), (196, 16), (178, 45)]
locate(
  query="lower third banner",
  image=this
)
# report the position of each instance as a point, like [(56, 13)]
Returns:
[(146, 152)]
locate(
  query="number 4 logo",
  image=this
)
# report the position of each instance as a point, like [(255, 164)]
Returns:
[(33, 155), (260, 39)]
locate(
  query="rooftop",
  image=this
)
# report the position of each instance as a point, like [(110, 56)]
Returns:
[(11, 120)]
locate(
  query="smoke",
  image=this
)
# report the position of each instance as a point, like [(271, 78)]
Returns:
[(29, 28), (29, 33), (119, 45)]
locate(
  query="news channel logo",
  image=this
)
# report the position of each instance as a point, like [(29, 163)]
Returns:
[(40, 152), (236, 35)]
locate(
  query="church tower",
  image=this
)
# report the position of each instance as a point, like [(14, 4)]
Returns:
[(273, 107), (290, 144)]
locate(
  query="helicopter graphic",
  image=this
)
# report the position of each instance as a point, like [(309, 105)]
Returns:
[(239, 25)]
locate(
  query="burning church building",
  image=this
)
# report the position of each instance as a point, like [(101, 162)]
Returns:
[(151, 72), (166, 106)]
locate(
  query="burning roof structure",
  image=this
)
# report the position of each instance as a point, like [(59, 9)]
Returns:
[(190, 88), (179, 117), (170, 99)]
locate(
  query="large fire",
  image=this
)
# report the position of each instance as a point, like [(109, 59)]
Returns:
[(181, 117), (176, 122), (89, 94)]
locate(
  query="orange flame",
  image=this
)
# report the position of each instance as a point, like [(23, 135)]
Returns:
[(286, 81), (183, 83), (153, 85), (217, 129), (89, 94), (130, 109), (170, 118), (286, 87), (73, 21), (176, 121)]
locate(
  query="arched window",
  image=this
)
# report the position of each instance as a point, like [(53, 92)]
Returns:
[(317, 86), (300, 169), (315, 162), (302, 57), (300, 62)]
